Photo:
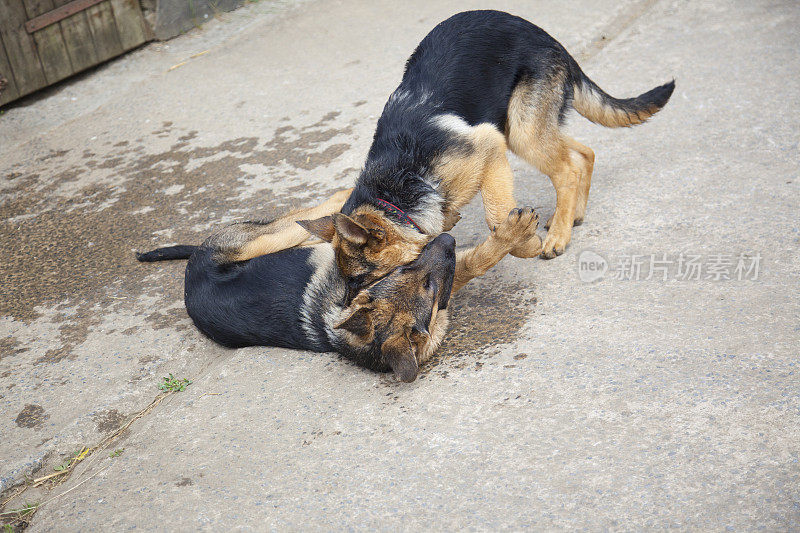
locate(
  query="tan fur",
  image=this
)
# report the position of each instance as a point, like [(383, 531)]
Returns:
[(589, 103), (451, 218), (585, 182), (365, 317), (397, 246), (395, 316), (284, 232)]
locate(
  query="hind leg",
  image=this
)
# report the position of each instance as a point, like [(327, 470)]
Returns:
[(566, 181), (587, 166), (564, 167), (533, 133)]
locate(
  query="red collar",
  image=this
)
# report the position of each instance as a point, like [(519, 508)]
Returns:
[(399, 213)]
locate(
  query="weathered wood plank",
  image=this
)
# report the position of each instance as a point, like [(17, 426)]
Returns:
[(10, 92), (20, 48), (104, 31), (49, 43), (60, 13), (78, 37), (130, 23)]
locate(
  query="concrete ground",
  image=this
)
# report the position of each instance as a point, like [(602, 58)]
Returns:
[(556, 403)]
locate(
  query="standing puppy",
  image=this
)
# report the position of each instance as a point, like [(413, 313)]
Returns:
[(478, 84)]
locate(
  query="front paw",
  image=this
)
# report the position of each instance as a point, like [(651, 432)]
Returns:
[(518, 231), (555, 243), (451, 218)]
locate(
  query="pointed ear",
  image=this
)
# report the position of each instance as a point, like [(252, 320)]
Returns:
[(321, 227), (359, 323), (399, 354), (350, 230)]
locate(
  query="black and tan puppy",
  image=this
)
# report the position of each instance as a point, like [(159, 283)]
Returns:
[(297, 297), (478, 84)]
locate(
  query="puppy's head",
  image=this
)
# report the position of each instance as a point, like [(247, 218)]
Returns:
[(398, 322), (368, 245)]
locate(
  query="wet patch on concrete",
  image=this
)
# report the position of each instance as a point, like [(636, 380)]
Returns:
[(31, 416), (484, 314), (176, 318), (80, 232), (108, 421), (72, 331), (10, 346), (52, 155)]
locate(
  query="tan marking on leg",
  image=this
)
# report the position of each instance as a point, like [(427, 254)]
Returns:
[(498, 200), (460, 176), (451, 218), (284, 232), (587, 166), (565, 180)]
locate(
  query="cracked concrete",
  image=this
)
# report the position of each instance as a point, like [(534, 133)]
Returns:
[(553, 403)]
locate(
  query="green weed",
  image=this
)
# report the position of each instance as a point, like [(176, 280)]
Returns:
[(173, 384)]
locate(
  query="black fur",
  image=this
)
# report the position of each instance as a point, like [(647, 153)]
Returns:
[(251, 303), (468, 66), (248, 303), (181, 251), (291, 298)]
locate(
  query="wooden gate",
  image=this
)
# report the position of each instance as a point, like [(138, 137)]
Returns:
[(44, 41)]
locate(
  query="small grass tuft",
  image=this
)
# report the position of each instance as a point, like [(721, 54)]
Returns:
[(173, 384), (117, 452)]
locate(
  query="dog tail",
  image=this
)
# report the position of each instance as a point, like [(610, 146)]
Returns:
[(595, 104), (168, 253)]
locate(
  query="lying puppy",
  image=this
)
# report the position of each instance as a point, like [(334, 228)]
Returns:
[(480, 83), (296, 297)]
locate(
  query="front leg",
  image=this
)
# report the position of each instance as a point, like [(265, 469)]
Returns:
[(518, 228), (451, 218)]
